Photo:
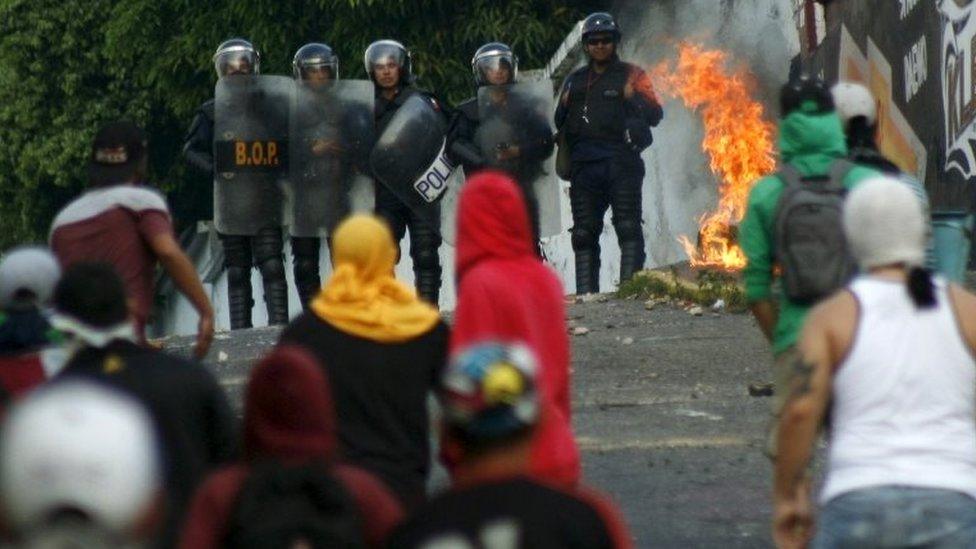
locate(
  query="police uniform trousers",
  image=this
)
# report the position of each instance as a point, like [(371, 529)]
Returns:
[(241, 253), (614, 183), (425, 242)]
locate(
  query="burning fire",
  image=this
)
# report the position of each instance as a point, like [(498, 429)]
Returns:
[(738, 142)]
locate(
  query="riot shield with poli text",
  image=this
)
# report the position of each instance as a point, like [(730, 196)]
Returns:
[(515, 135), (250, 151), (410, 159), (332, 134)]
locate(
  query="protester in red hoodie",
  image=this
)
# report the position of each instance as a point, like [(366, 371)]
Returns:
[(505, 293), (288, 419)]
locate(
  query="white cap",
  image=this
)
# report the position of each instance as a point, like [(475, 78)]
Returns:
[(28, 268), (851, 100), (80, 446), (885, 224)]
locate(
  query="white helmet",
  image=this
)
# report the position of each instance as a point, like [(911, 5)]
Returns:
[(851, 100)]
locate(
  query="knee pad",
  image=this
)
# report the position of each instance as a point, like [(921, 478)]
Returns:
[(272, 269), (628, 230), (238, 276), (267, 245), (425, 258), (237, 251), (583, 238)]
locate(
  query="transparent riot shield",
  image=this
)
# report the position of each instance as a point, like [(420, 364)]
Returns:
[(332, 133), (250, 151), (410, 159), (515, 134)]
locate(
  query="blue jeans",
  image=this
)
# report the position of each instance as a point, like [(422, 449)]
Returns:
[(898, 516)]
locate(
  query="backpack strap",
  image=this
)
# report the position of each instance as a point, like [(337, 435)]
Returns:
[(839, 170), (789, 175)]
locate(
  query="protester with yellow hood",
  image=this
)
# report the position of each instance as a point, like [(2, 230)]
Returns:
[(383, 349)]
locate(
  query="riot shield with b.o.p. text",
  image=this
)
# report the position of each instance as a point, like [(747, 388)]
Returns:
[(515, 135), (332, 134), (250, 151), (410, 160)]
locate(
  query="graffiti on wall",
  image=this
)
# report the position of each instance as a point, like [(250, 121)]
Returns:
[(958, 85)]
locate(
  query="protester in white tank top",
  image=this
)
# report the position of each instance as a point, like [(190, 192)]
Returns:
[(891, 358)]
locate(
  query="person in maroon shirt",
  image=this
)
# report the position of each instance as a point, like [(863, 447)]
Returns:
[(492, 403), (289, 419), (120, 222)]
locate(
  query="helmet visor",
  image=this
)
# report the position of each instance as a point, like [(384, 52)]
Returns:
[(236, 62), (318, 69), (494, 70), (382, 55)]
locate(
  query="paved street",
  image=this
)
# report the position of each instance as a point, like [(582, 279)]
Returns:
[(662, 416)]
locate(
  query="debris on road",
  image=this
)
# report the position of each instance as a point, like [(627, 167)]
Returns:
[(761, 389), (580, 331), (696, 311)]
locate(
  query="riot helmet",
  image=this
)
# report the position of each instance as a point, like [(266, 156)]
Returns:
[(600, 23), (312, 58), (236, 56), (490, 63), (383, 53), (805, 92)]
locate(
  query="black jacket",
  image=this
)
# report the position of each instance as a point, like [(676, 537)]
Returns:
[(598, 109), (522, 127), (380, 392), (198, 143), (195, 422)]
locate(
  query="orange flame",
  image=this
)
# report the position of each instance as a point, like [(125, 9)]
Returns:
[(738, 142)]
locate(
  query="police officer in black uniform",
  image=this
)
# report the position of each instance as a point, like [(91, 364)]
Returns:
[(389, 67), (238, 56), (316, 65), (604, 114), (495, 64)]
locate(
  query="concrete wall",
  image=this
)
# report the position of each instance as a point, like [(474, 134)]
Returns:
[(678, 187)]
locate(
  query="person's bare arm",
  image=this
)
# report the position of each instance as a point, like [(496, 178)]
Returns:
[(766, 316), (826, 335), (184, 275)]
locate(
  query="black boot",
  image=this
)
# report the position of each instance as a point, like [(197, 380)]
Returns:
[(631, 259), (237, 260), (267, 253), (425, 243), (239, 297), (587, 272), (305, 257)]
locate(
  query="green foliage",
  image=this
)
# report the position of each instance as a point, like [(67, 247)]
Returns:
[(68, 66)]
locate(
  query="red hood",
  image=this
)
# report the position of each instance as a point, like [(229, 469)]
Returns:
[(288, 410), (493, 221)]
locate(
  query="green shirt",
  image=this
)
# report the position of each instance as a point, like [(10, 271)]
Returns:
[(810, 143)]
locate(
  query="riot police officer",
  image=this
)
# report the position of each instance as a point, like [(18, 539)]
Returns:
[(389, 66), (604, 114), (241, 252), (315, 65), (519, 141)]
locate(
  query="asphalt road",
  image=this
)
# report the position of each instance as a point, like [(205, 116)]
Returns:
[(662, 415)]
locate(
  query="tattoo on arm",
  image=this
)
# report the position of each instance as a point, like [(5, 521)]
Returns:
[(800, 381)]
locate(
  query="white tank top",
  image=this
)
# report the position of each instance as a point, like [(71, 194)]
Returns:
[(903, 400)]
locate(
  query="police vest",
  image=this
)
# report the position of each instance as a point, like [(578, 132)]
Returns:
[(596, 107)]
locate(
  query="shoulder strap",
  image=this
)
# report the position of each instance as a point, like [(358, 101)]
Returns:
[(839, 170), (790, 176)]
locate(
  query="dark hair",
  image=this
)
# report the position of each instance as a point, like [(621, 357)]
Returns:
[(92, 293), (860, 134), (920, 288)]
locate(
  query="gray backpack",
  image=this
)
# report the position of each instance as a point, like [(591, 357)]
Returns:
[(810, 246)]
